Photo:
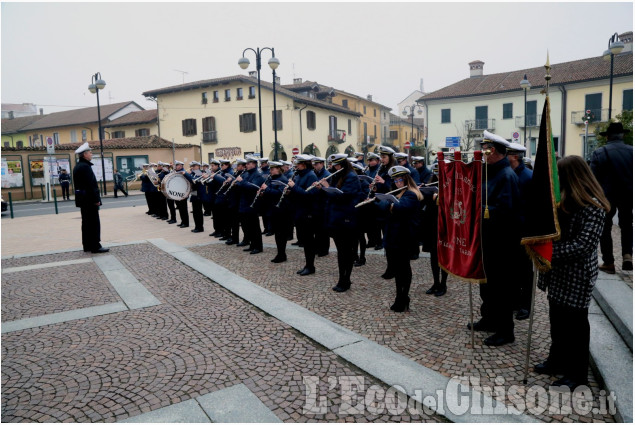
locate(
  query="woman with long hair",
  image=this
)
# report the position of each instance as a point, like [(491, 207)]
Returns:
[(574, 270), (402, 220), (340, 216)]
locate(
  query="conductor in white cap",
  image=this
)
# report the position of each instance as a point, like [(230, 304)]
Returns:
[(88, 200)]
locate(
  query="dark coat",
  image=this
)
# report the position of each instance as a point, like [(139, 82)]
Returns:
[(272, 195), (612, 166), (424, 174), (401, 223), (429, 217), (146, 184), (340, 207), (414, 174), (524, 185), (304, 203), (247, 191), (86, 188), (372, 171)]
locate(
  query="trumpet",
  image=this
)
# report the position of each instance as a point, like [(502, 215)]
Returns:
[(325, 178), (369, 200)]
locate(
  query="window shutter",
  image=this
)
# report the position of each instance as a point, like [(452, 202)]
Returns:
[(240, 122), (183, 128)]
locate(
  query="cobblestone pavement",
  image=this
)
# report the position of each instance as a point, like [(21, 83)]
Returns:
[(433, 333), (200, 339)]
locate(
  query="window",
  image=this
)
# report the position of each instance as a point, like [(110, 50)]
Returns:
[(19, 144), (532, 111), (210, 156), (73, 136), (247, 122), (277, 119), (56, 138), (480, 117), (394, 135), (333, 126), (593, 102), (445, 116), (365, 131), (350, 127), (209, 129), (345, 103), (215, 98), (310, 120), (118, 134), (84, 135), (627, 100), (508, 110), (142, 132), (375, 131), (228, 95), (239, 93), (364, 109), (204, 98), (7, 144), (374, 112), (189, 127), (252, 92)]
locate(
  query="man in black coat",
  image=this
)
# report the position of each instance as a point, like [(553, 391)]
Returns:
[(88, 200), (612, 165), (249, 183)]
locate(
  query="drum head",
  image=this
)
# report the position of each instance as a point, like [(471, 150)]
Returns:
[(175, 186)]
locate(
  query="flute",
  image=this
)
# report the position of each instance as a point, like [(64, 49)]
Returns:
[(369, 200), (325, 178)]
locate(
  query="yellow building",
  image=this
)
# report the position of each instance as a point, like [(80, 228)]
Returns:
[(134, 124), (404, 130), (222, 116), (12, 134)]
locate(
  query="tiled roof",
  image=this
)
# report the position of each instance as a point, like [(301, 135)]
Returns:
[(77, 116), (243, 78), (139, 117), (145, 142), (19, 107), (15, 125), (562, 73), (323, 88)]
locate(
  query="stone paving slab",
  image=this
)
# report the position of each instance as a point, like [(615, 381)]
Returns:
[(185, 412), (236, 404)]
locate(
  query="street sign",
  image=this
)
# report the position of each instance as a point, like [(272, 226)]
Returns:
[(295, 151), (452, 142), (407, 145), (515, 137), (50, 146)]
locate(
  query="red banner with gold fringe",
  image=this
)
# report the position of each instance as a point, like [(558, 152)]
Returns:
[(460, 214)]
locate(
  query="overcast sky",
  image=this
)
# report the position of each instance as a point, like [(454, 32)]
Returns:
[(51, 50)]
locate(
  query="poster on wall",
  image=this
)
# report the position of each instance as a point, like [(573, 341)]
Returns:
[(55, 165), (37, 172), (97, 167), (12, 174)]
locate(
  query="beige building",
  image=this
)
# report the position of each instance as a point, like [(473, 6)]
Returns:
[(134, 124), (222, 116)]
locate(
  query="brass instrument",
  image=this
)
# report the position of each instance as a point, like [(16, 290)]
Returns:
[(325, 178), (369, 200)]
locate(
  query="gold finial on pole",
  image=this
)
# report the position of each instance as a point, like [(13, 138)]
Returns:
[(547, 75)]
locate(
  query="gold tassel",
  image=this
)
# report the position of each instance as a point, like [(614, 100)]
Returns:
[(486, 213)]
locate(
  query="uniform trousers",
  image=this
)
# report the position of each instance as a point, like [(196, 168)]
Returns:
[(345, 242), (216, 218), (496, 310), (624, 209), (197, 212), (182, 207), (65, 190), (91, 228), (149, 201), (322, 239), (170, 204), (251, 228), (305, 227), (398, 260), (436, 270), (570, 336), (280, 226)]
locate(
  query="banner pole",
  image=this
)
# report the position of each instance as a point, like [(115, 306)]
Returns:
[(531, 322), (471, 314)]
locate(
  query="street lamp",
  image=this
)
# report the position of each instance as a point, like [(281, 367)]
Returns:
[(411, 109), (525, 85), (615, 47), (243, 62), (94, 87)]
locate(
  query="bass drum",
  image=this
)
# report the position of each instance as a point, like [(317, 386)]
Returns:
[(175, 186)]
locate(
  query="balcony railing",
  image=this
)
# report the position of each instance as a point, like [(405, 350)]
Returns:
[(597, 115), (337, 136), (480, 124), (532, 121), (209, 137)]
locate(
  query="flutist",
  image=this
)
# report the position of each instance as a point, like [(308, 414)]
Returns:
[(279, 213), (248, 184), (196, 196)]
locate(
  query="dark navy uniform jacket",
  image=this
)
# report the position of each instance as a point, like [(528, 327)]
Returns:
[(272, 195), (424, 174), (247, 191), (414, 174), (340, 208), (383, 173), (219, 180), (146, 184), (402, 222), (86, 189), (303, 201), (524, 184), (372, 171)]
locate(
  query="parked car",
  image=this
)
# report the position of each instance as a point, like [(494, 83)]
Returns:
[(4, 205)]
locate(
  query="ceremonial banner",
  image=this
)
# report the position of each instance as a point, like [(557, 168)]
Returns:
[(460, 213), (542, 219)]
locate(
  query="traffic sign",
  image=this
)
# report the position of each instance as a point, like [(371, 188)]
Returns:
[(452, 142), (50, 146), (407, 145), (295, 151)]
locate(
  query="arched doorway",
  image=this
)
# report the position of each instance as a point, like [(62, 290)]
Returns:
[(311, 150), (331, 150), (282, 155), (349, 150)]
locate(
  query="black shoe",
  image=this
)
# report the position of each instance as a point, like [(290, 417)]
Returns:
[(224, 238), (230, 242), (388, 276), (323, 254), (480, 326), (568, 382), (182, 225), (269, 234), (243, 243), (154, 215), (148, 212), (195, 230), (296, 243), (432, 289), (306, 271), (207, 214), (522, 314), (497, 340), (338, 288), (402, 306), (247, 249), (545, 368), (100, 250), (359, 262), (440, 292), (290, 238), (165, 218), (215, 233), (279, 259), (171, 221), (255, 251), (379, 247)]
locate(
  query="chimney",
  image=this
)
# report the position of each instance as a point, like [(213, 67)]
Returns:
[(11, 116), (297, 81), (476, 69), (253, 74), (369, 97), (41, 111), (627, 39)]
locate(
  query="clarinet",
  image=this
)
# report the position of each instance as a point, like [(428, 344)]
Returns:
[(260, 192), (233, 183), (285, 191), (374, 183)]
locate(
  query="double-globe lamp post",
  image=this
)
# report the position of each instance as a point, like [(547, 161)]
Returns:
[(525, 85), (94, 87), (615, 47), (243, 62), (410, 111)]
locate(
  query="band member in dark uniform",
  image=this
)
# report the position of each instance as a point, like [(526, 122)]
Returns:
[(340, 219), (88, 200), (181, 205), (207, 195), (196, 196), (322, 239), (277, 208), (65, 182), (401, 225), (249, 182), (227, 202), (211, 187), (402, 159), (163, 169), (147, 188), (424, 173), (304, 209), (265, 171), (429, 234)]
